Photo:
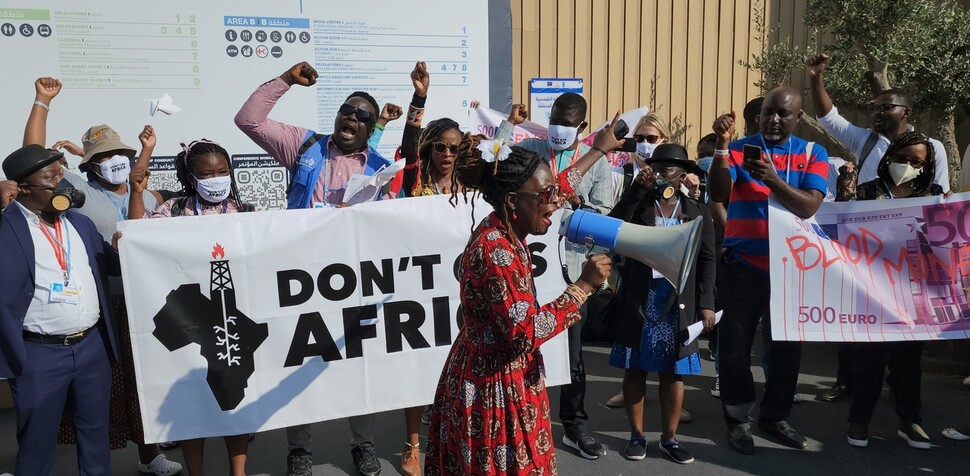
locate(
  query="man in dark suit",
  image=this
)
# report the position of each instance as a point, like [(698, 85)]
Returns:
[(56, 332)]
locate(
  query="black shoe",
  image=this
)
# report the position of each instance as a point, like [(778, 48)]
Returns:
[(741, 439), (365, 459), (834, 394), (676, 452), (168, 445), (914, 435), (785, 434), (858, 435), (583, 443), (299, 463), (636, 450)]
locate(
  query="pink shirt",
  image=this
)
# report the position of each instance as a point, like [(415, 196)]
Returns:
[(282, 141)]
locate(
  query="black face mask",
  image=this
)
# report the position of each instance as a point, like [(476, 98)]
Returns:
[(65, 196), (661, 188)]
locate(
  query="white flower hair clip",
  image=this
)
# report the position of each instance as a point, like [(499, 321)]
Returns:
[(494, 151)]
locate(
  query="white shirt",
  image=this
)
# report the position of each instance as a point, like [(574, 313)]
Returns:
[(57, 318), (854, 138)]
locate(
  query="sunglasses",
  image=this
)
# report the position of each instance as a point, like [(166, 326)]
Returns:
[(884, 107), (642, 138), (441, 147), (546, 195), (360, 114)]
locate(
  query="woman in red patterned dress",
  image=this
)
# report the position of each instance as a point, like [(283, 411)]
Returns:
[(491, 411)]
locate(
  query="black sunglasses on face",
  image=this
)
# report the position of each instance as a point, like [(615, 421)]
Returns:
[(440, 148), (360, 114), (642, 138), (885, 107)]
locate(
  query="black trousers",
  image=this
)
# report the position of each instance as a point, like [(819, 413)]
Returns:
[(868, 367), (843, 375), (572, 396), (745, 299)]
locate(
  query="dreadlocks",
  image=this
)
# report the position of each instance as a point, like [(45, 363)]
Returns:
[(429, 135), (185, 163), (492, 180), (923, 181)]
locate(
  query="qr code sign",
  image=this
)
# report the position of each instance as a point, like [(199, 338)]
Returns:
[(163, 174), (261, 181)]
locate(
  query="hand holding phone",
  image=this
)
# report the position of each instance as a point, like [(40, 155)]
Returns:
[(752, 152), (621, 129)]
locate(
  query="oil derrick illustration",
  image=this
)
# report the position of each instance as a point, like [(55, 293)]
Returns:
[(227, 338)]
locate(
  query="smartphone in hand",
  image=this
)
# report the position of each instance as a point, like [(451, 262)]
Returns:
[(752, 152), (621, 129)]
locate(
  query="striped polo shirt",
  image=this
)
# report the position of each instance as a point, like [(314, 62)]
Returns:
[(747, 214)]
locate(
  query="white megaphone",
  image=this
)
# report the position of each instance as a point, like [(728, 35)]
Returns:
[(670, 250)]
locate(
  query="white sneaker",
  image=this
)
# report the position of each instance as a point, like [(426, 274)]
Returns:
[(716, 391), (797, 398), (160, 466), (966, 381)]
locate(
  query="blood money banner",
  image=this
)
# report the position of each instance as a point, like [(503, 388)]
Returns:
[(872, 271), (255, 321)]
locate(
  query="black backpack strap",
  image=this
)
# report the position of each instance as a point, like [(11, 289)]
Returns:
[(627, 174), (178, 206), (305, 146), (867, 147)]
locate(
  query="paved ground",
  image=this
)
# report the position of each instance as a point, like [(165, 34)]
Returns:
[(946, 403)]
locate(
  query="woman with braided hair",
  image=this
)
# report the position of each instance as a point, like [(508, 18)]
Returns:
[(491, 412), (906, 170), (205, 172), (430, 152), (436, 153)]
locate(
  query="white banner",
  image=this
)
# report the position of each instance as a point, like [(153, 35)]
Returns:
[(483, 120), (872, 271), (255, 321)]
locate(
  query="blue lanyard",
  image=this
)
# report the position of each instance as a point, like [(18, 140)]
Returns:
[(326, 180), (198, 207), (123, 208), (668, 221)]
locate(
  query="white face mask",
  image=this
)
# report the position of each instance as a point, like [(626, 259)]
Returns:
[(215, 189), (116, 169), (645, 150), (561, 137), (902, 173)]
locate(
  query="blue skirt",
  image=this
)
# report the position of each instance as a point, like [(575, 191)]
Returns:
[(659, 346)]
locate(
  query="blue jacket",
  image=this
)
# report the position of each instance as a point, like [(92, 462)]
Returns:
[(17, 282), (306, 174)]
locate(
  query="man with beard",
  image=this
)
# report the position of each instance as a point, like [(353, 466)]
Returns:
[(794, 171), (890, 111), (320, 168), (56, 332)]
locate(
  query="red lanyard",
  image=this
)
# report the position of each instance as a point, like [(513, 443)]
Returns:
[(554, 161), (59, 251)]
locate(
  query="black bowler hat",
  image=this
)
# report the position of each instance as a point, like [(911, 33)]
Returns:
[(28, 159), (673, 154)]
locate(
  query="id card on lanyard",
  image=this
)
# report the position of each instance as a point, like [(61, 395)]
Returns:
[(61, 292), (554, 159)]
